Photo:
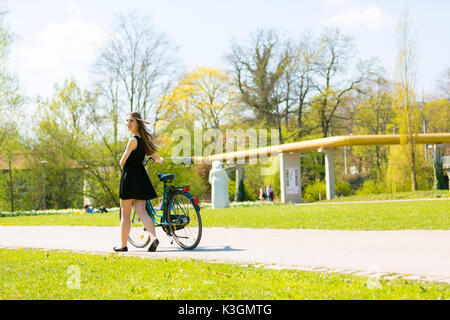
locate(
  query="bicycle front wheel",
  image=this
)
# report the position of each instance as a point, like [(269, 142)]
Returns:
[(139, 237), (186, 224)]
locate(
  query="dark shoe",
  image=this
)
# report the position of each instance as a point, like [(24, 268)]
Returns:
[(153, 246), (120, 249)]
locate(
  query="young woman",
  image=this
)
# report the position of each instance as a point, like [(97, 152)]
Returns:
[(262, 193), (135, 184)]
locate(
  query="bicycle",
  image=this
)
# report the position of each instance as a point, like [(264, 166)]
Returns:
[(180, 217)]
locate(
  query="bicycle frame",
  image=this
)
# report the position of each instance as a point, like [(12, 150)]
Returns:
[(151, 210), (175, 216), (153, 213)]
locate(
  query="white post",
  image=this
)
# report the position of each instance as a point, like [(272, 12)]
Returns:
[(43, 162), (86, 199), (345, 160), (329, 172), (282, 179), (290, 177)]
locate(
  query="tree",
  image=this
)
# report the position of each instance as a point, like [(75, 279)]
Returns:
[(11, 144), (303, 78), (374, 115), (68, 141), (135, 68), (335, 55), (10, 97), (398, 175), (241, 194), (204, 94), (405, 105), (437, 115), (259, 68), (443, 83), (296, 85), (62, 139)]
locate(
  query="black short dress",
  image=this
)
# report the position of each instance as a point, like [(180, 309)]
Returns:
[(134, 182)]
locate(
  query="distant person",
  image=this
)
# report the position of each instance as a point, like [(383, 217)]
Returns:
[(269, 193), (262, 193), (102, 209), (87, 209)]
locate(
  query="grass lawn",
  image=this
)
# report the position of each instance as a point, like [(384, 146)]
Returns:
[(421, 215), (420, 194), (35, 274)]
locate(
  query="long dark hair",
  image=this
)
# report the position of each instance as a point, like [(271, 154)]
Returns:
[(146, 136)]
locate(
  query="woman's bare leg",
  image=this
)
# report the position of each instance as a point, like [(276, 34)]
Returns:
[(125, 223), (145, 218)]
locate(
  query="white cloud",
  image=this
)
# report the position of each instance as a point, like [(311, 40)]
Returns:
[(371, 17), (58, 52), (338, 3)]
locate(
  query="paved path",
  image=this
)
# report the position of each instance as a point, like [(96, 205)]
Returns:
[(414, 254)]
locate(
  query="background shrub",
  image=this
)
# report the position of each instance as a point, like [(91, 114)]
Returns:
[(371, 187), (312, 191)]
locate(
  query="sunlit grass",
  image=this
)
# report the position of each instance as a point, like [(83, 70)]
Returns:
[(35, 274), (424, 215), (420, 194)]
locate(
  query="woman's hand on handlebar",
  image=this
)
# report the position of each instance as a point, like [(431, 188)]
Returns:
[(157, 158)]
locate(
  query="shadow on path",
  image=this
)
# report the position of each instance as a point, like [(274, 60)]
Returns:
[(198, 249)]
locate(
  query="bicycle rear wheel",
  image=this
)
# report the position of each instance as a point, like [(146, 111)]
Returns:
[(139, 237), (187, 230)]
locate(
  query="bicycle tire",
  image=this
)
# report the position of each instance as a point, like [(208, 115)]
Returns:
[(188, 232), (138, 237)]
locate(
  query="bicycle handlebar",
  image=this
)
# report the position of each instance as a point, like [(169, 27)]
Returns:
[(176, 160)]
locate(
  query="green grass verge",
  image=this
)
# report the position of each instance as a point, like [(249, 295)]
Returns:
[(419, 215), (66, 219), (429, 194), (35, 274)]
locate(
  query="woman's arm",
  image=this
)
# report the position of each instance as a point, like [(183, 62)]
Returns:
[(157, 158), (132, 144)]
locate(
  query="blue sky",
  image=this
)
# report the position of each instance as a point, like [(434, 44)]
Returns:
[(58, 39)]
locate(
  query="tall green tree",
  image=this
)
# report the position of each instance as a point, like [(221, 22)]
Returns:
[(405, 105), (374, 115), (68, 141), (62, 140)]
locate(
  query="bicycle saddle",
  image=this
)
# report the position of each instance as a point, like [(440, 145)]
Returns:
[(166, 177)]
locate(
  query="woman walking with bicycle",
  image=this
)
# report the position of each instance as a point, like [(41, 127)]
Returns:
[(135, 184)]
